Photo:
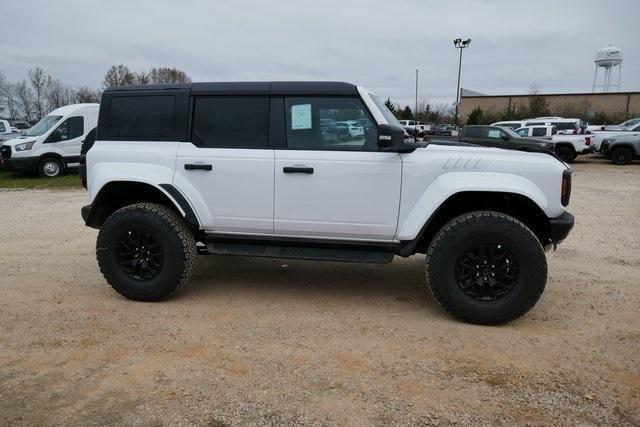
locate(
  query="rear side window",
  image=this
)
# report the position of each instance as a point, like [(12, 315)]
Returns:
[(142, 117), (220, 122), (565, 125), (473, 132), (539, 132), (2, 127)]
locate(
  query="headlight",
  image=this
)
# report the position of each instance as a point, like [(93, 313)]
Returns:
[(25, 146)]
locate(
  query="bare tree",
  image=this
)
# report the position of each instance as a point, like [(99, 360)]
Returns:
[(39, 80), (57, 93), (86, 94), (168, 75), (24, 95), (142, 78), (7, 91), (118, 75)]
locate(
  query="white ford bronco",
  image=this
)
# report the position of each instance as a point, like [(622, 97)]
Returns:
[(266, 169)]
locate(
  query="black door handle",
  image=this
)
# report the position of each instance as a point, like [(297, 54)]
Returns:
[(197, 166), (297, 169)]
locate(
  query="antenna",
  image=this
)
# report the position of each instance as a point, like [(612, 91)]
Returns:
[(415, 111)]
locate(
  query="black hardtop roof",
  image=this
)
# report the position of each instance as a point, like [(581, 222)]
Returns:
[(249, 88)]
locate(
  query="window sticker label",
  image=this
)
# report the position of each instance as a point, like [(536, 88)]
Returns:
[(301, 116)]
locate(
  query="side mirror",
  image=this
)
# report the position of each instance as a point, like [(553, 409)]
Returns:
[(390, 138)]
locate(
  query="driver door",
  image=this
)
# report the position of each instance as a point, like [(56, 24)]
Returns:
[(67, 139)]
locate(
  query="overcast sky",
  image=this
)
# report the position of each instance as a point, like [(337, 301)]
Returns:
[(516, 44)]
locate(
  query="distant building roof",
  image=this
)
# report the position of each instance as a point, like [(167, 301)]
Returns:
[(467, 92)]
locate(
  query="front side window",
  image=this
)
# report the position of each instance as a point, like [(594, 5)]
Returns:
[(221, 122), (494, 133), (329, 124), (523, 132), (71, 128)]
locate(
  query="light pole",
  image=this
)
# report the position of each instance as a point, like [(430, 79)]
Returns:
[(459, 44)]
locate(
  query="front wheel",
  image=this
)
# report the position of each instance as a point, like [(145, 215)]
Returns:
[(50, 167), (486, 267), (146, 251)]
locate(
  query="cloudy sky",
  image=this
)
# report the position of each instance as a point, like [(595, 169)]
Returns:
[(516, 44)]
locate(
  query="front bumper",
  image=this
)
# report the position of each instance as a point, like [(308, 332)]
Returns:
[(19, 164), (560, 227)]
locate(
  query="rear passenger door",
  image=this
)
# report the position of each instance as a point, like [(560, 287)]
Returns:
[(228, 164)]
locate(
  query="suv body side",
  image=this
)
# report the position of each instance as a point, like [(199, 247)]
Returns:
[(357, 195), (495, 136)]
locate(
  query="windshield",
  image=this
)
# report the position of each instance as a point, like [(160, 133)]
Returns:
[(629, 123), (391, 119), (42, 126)]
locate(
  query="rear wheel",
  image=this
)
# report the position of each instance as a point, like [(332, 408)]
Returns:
[(486, 267), (145, 251), (621, 156), (566, 154), (50, 167)]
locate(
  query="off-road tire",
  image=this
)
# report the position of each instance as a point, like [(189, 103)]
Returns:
[(621, 156), (88, 141), (485, 227), (170, 232), (566, 154), (44, 167)]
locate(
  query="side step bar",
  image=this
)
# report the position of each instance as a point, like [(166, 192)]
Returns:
[(300, 252)]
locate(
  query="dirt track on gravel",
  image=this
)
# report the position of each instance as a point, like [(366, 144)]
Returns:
[(270, 341)]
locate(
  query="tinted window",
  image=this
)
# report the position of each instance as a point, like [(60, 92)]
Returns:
[(565, 125), (539, 132), (142, 117), (2, 127), (535, 124), (473, 132), (329, 124), (71, 128), (231, 122)]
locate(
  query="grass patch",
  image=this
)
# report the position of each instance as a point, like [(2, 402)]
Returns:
[(19, 181)]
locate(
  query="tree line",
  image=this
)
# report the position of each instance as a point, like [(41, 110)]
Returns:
[(425, 112), (38, 93)]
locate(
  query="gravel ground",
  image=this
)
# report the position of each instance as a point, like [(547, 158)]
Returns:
[(263, 341)]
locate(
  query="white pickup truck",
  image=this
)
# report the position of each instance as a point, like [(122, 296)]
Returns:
[(569, 146)]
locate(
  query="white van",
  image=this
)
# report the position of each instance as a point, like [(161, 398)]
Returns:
[(53, 144)]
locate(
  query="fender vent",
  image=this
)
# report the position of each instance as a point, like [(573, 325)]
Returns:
[(464, 163)]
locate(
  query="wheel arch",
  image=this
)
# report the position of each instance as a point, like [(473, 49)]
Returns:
[(516, 205), (114, 195)]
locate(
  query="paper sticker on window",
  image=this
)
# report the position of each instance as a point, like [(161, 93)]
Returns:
[(301, 116)]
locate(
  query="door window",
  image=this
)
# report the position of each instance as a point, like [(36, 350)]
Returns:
[(329, 124), (221, 122), (2, 127), (494, 133), (523, 132), (142, 117), (473, 132), (71, 128), (539, 132)]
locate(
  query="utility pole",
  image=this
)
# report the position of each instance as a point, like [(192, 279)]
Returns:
[(415, 111), (459, 44)]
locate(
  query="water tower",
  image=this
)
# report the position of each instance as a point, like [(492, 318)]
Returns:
[(607, 59)]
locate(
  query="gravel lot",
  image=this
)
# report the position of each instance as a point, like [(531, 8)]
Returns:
[(266, 341)]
